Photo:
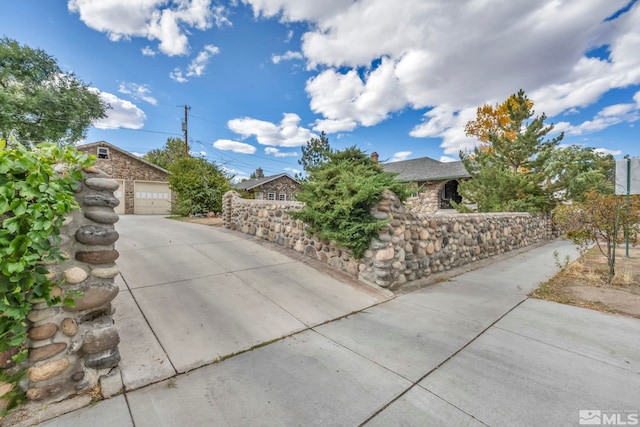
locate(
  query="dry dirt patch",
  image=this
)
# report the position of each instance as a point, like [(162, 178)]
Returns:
[(583, 283)]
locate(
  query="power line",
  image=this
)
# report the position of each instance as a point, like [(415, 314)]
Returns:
[(226, 157)]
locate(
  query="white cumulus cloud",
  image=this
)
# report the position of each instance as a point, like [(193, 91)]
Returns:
[(372, 58), (178, 75), (235, 146), (447, 159), (293, 171), (277, 153), (148, 51), (197, 66), (138, 92), (122, 114), (400, 156), (168, 21), (289, 55), (608, 116), (288, 133)]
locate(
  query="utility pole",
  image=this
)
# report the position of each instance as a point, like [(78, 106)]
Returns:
[(185, 129)]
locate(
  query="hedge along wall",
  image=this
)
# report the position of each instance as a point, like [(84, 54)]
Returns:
[(410, 247), (72, 349)]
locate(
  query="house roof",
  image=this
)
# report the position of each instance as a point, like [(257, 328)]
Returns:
[(111, 146), (250, 184), (426, 169)]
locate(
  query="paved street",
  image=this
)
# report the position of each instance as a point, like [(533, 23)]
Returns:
[(470, 351)]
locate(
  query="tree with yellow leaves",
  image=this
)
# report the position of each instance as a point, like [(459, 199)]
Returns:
[(507, 168), (493, 119)]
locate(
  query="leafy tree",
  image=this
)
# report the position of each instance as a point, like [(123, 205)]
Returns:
[(338, 197), (575, 170), (508, 171), (598, 219), (199, 186), (315, 152), (41, 103), (164, 157)]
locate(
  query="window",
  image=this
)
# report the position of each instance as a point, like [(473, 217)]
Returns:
[(282, 197), (292, 196), (259, 196), (103, 153), (271, 196)]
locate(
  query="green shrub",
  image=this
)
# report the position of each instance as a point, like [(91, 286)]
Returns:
[(339, 195), (199, 186)]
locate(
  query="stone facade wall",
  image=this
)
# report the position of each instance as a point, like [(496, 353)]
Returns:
[(72, 349), (414, 246), (283, 185), (269, 220), (411, 247), (428, 199), (127, 167)]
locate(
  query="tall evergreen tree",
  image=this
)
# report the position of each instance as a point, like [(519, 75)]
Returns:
[(338, 197), (508, 172), (315, 152)]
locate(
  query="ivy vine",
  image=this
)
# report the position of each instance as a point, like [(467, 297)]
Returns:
[(36, 193)]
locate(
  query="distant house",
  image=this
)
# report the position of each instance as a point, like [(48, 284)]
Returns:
[(144, 188), (436, 182), (274, 187)]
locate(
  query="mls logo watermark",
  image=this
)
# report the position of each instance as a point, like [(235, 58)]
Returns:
[(598, 417)]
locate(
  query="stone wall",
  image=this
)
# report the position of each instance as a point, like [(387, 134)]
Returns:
[(412, 246), (428, 199), (125, 166), (269, 220), (72, 349)]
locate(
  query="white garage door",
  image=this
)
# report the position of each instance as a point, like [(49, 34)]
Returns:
[(151, 198), (119, 193)]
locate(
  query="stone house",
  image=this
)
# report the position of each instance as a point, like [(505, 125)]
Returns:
[(436, 182), (275, 187), (143, 186)]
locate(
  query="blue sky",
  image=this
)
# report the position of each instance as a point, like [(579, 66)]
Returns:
[(401, 78)]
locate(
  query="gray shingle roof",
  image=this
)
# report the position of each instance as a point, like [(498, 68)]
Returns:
[(426, 169), (250, 184)]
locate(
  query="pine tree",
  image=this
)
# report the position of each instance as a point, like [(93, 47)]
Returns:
[(508, 171), (315, 152)]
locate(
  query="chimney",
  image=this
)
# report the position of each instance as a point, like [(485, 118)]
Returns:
[(374, 157), (259, 173)]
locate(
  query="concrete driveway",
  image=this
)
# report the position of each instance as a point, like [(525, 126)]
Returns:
[(191, 295), (472, 351)]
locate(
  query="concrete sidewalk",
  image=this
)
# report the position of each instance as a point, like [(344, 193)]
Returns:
[(470, 351)]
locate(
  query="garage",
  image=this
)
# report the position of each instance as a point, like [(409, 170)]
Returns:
[(151, 198), (143, 187)]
